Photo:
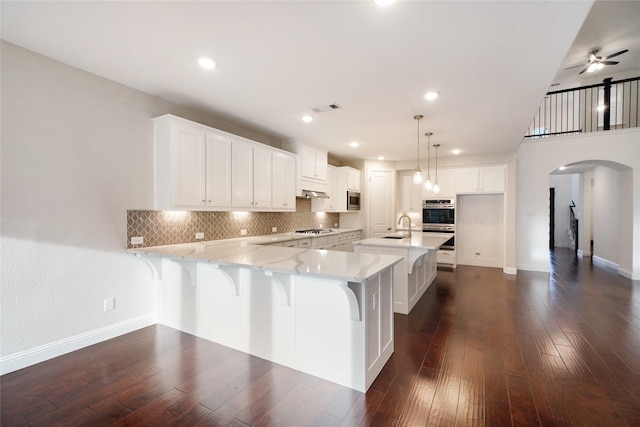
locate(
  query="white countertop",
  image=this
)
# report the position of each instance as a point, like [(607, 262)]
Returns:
[(418, 240), (285, 237), (246, 253)]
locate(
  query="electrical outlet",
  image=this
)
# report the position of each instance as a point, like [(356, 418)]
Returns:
[(199, 236), (109, 304), (274, 229), (335, 224), (243, 232), (137, 240), (320, 226)]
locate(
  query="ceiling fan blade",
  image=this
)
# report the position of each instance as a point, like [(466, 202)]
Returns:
[(584, 69), (575, 66), (609, 62), (615, 54)]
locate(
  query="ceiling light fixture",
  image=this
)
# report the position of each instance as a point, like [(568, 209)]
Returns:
[(207, 63), (381, 158), (436, 186), (428, 185), (431, 95), (354, 144), (456, 151), (417, 178), (307, 119)]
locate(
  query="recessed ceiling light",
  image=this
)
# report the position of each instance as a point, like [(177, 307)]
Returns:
[(354, 144), (562, 168), (431, 95), (307, 119), (207, 63), (456, 151), (383, 3), (380, 157)]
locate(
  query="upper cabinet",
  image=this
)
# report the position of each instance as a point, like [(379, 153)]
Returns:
[(283, 194), (446, 181), (311, 169), (353, 179), (201, 168), (483, 179), (313, 163)]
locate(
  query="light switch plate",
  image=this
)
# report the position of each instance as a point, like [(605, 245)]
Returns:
[(274, 229), (137, 240), (243, 232), (199, 236)]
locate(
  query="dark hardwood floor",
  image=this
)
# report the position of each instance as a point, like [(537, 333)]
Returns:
[(480, 348)]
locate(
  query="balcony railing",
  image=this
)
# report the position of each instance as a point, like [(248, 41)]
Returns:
[(595, 108)]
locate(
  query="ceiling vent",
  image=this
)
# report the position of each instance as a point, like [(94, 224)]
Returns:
[(325, 108)]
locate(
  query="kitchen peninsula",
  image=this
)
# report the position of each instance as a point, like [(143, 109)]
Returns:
[(416, 271), (326, 313)]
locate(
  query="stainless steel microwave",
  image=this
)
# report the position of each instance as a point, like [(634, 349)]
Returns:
[(353, 201)]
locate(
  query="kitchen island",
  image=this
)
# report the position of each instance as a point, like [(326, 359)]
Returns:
[(416, 271), (326, 313)]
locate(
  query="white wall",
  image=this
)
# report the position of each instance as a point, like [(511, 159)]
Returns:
[(537, 158), (76, 154), (606, 214)]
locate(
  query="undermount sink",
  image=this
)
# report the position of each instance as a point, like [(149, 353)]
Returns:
[(394, 237)]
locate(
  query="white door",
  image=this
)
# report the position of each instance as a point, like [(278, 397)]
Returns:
[(381, 202), (479, 230)]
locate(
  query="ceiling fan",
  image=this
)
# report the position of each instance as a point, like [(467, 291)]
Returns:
[(596, 63)]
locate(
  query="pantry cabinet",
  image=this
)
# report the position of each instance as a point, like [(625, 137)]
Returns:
[(410, 193)]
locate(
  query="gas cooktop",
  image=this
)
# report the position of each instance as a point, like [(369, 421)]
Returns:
[(314, 231)]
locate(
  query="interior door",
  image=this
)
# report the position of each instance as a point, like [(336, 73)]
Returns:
[(380, 209)]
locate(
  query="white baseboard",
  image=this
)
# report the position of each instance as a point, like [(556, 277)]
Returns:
[(543, 268), (22, 359), (605, 262), (510, 270)]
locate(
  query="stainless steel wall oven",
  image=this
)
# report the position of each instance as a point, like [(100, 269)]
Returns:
[(438, 216)]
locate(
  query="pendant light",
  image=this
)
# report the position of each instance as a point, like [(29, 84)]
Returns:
[(428, 185), (436, 186), (417, 177)]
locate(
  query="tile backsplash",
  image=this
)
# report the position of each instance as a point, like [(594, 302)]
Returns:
[(173, 227)]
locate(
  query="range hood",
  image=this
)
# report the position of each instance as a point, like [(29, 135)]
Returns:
[(310, 194)]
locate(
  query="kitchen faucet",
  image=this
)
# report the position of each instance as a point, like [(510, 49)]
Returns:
[(404, 215)]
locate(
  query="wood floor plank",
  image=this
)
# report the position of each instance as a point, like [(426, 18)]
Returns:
[(479, 348)]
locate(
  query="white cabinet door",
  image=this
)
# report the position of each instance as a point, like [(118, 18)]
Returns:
[(218, 170), (321, 165), (353, 179), (283, 193), (261, 178), (381, 197), (313, 163), (492, 179), (410, 193), (484, 179), (188, 166), (330, 204), (242, 175), (467, 180)]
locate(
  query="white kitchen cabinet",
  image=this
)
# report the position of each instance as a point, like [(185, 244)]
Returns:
[(410, 193), (313, 163), (330, 204), (484, 179), (192, 166), (446, 181), (283, 192), (251, 176), (353, 179)]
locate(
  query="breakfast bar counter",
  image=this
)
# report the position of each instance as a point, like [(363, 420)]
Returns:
[(326, 313)]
